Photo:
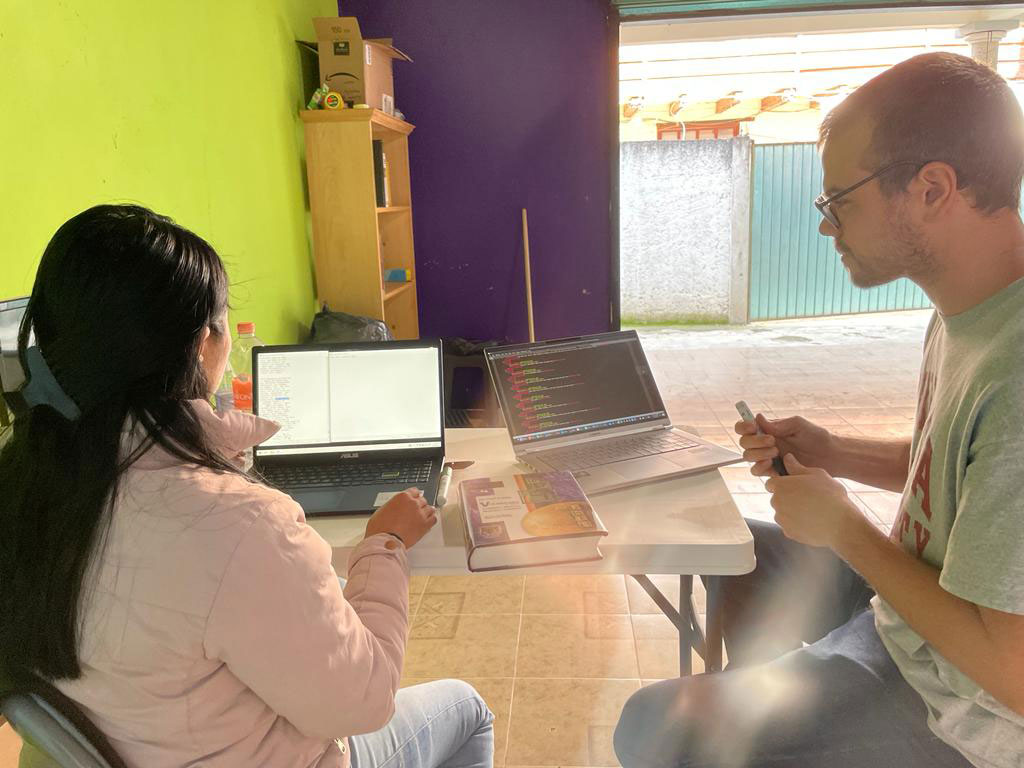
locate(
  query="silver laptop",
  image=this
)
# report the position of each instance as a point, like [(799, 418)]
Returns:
[(359, 422), (590, 405)]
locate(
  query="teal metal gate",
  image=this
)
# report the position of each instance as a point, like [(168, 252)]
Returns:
[(794, 270)]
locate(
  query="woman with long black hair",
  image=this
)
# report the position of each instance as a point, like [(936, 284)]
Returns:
[(188, 609)]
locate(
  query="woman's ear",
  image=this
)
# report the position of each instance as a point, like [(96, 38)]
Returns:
[(203, 342)]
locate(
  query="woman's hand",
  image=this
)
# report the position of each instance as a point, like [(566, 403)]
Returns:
[(406, 515)]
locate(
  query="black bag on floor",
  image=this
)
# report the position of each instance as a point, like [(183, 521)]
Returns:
[(340, 326)]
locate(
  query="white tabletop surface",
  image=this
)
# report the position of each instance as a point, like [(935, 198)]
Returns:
[(686, 525)]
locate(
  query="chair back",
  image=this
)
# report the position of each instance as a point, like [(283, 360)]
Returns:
[(50, 723)]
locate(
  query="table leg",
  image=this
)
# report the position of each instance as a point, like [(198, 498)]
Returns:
[(684, 619), (696, 633), (713, 643), (686, 613)]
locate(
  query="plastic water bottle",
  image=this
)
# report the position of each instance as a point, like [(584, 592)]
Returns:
[(224, 398), (241, 364)]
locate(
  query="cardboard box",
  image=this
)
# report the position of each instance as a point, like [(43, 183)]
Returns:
[(358, 69)]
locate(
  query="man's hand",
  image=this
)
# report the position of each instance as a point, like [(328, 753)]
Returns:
[(810, 506), (812, 445)]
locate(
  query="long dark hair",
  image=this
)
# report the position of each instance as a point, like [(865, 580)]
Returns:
[(119, 304)]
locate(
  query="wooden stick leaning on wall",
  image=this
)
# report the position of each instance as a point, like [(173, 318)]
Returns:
[(529, 285)]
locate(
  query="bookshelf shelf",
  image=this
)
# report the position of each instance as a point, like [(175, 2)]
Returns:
[(383, 125), (393, 290)]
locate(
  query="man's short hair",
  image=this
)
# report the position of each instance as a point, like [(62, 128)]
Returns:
[(947, 108)]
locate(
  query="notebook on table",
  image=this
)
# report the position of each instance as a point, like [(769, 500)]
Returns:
[(359, 422), (590, 405)]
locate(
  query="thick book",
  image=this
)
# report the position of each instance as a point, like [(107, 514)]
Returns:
[(523, 520), (378, 172)]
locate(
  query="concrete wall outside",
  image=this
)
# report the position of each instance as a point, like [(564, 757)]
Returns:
[(637, 129), (684, 230)]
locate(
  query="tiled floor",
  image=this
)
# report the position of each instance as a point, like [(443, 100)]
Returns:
[(557, 656)]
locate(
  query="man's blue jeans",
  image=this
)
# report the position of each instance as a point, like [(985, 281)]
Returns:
[(443, 724), (839, 702)]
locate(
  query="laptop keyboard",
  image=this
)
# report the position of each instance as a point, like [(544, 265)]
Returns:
[(333, 475), (621, 449)]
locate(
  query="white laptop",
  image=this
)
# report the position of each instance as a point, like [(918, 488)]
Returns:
[(590, 405)]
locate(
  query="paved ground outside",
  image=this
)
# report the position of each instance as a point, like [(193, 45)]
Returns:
[(855, 375)]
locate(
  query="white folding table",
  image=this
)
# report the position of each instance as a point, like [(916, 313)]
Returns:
[(687, 526)]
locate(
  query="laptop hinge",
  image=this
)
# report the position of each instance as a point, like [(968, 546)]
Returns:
[(603, 435)]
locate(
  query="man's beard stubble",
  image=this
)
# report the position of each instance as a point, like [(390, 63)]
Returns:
[(907, 254)]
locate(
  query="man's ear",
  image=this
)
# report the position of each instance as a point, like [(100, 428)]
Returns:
[(937, 185)]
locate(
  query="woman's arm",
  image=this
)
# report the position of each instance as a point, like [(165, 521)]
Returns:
[(283, 627)]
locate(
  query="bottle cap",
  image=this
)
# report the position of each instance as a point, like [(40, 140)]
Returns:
[(246, 327)]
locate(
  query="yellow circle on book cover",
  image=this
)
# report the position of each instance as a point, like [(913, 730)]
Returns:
[(557, 519)]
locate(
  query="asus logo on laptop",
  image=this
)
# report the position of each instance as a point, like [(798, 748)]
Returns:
[(348, 456)]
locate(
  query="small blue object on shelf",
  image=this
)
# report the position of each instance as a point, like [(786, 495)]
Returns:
[(400, 275)]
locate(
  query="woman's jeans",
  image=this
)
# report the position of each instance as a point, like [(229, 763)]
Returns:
[(443, 724)]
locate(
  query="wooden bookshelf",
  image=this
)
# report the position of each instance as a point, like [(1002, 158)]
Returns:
[(354, 240)]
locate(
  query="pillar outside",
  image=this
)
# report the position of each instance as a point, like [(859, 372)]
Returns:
[(984, 37)]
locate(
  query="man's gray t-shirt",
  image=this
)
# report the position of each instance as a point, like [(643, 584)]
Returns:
[(962, 511)]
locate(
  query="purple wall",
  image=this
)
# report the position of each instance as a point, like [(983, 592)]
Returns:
[(512, 106)]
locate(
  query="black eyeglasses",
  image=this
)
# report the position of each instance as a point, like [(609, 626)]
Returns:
[(824, 204)]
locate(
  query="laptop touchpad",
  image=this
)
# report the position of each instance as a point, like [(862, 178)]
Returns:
[(313, 502), (636, 469)]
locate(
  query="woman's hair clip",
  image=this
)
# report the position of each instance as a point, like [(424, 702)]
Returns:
[(42, 388)]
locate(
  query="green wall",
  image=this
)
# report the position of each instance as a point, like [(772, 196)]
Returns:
[(189, 107)]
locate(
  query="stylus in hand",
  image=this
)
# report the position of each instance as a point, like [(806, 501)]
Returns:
[(442, 487), (747, 415)]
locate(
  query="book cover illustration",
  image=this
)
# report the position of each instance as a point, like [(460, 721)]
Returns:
[(524, 507)]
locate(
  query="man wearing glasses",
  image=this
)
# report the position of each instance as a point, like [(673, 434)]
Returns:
[(848, 647)]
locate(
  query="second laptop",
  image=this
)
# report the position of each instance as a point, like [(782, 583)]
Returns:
[(590, 405)]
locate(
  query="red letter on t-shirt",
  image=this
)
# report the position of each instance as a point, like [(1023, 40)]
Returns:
[(921, 537), (922, 479), (901, 525)]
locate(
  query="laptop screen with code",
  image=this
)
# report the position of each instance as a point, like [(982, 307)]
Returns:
[(574, 386)]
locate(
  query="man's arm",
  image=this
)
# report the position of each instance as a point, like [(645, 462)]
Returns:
[(878, 463), (982, 643)]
